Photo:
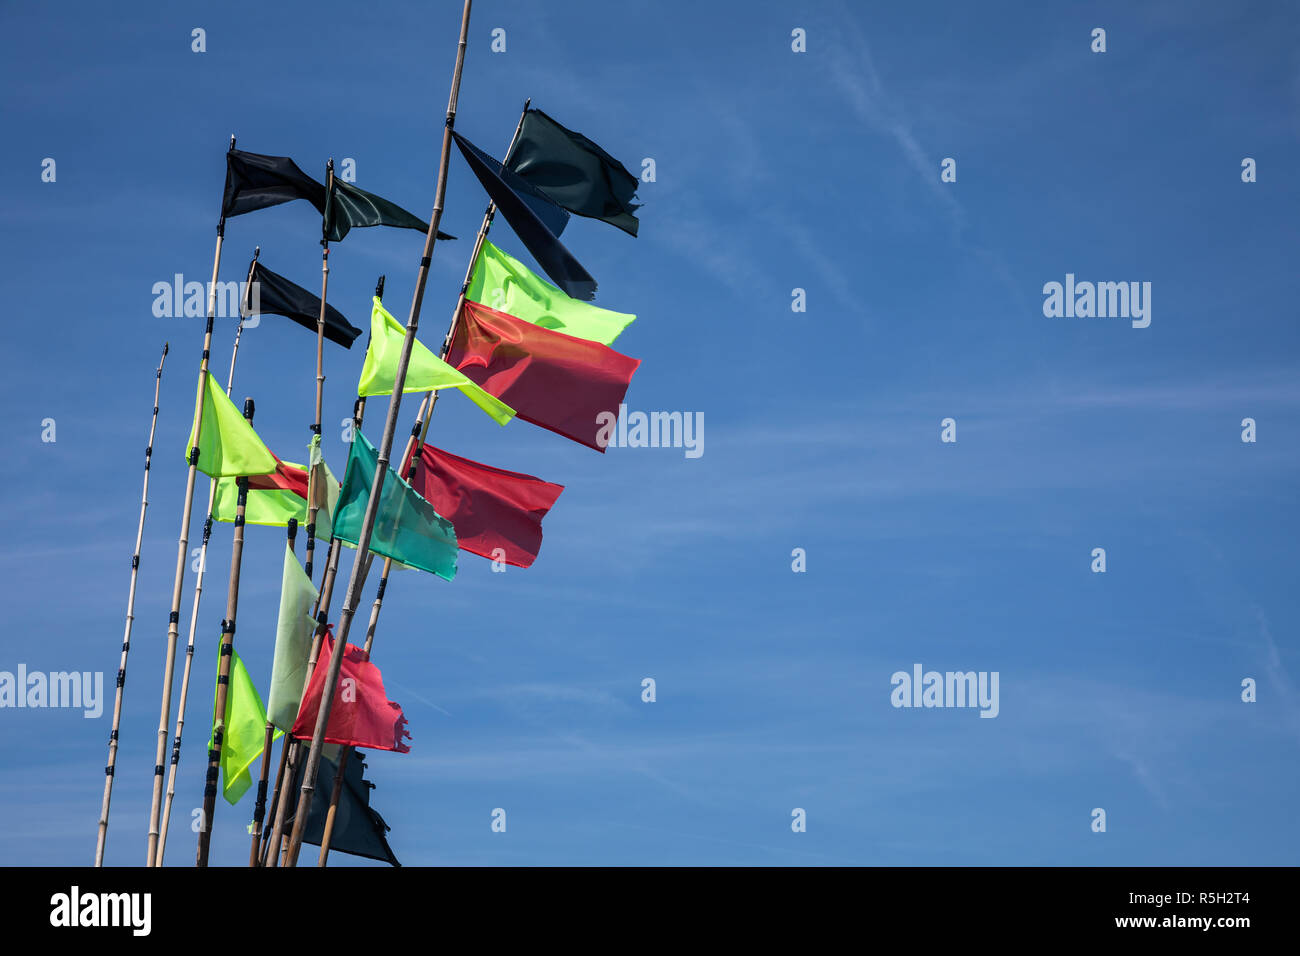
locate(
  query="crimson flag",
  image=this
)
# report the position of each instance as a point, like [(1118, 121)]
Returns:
[(496, 513), (362, 714), (557, 381)]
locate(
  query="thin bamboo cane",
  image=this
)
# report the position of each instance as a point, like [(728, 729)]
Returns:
[(173, 619), (320, 360), (130, 618), (356, 579), (259, 808), (224, 667), (194, 610)]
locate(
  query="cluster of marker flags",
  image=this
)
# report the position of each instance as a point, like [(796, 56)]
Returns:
[(519, 347)]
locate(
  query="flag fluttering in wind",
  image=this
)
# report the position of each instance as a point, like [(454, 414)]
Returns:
[(557, 381), (502, 282), (407, 528), (275, 498), (278, 296), (272, 499), (243, 733), (254, 181), (349, 207), (362, 715), (293, 633), (497, 514), (574, 171), (324, 488), (425, 373), (228, 446), (532, 215), (358, 827)]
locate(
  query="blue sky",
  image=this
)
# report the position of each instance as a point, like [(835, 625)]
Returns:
[(775, 170)]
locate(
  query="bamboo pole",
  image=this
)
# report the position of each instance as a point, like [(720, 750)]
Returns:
[(356, 579), (194, 610), (259, 808), (130, 618), (174, 616), (320, 359), (291, 749), (224, 666), (407, 469)]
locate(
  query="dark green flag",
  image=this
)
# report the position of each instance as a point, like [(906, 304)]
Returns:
[(358, 828), (574, 171), (350, 207)]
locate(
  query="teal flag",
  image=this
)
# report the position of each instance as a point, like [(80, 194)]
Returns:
[(407, 529)]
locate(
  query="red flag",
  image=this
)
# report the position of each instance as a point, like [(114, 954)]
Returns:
[(551, 379), (490, 508), (362, 715)]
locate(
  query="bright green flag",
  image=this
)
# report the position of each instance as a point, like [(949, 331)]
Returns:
[(274, 499), (425, 373), (407, 529), (293, 635), (269, 502), (244, 732), (228, 446), (504, 283)]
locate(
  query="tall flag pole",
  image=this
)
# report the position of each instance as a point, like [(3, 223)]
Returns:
[(224, 666), (182, 552), (194, 612), (320, 356), (130, 618), (421, 429), (356, 578), (409, 458)]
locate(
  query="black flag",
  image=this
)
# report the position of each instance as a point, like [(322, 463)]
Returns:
[(574, 172), (278, 296), (350, 207), (530, 214), (358, 828), (254, 181)]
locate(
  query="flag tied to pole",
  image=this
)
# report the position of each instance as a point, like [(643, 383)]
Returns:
[(361, 715), (228, 446)]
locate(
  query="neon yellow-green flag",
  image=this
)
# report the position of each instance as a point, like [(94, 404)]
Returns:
[(504, 283), (244, 733), (228, 446), (272, 499), (425, 373)]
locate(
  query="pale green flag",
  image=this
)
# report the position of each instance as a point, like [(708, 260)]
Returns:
[(504, 283), (244, 731), (326, 489), (425, 372), (228, 446), (293, 635)]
